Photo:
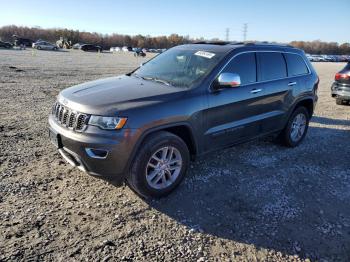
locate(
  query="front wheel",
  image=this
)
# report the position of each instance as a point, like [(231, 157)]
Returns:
[(296, 128), (159, 166)]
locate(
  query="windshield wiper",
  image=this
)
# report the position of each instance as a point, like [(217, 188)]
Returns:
[(157, 80), (153, 79)]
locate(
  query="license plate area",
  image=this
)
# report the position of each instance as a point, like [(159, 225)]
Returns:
[(55, 138)]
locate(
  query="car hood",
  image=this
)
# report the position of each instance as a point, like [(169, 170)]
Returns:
[(116, 94)]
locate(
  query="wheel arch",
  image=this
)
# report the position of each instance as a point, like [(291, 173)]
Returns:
[(180, 129), (307, 102)]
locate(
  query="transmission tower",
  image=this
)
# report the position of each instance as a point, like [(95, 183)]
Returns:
[(227, 34), (245, 31)]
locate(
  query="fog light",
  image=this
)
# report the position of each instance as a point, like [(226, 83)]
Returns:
[(96, 153)]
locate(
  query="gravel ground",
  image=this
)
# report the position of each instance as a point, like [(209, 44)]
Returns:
[(254, 202)]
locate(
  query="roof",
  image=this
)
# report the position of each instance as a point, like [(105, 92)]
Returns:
[(224, 46)]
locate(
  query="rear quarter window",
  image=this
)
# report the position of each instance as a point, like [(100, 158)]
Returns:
[(272, 66), (295, 65)]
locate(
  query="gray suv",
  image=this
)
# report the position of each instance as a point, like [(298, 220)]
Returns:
[(143, 128)]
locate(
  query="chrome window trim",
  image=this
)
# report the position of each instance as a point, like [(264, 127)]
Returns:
[(265, 81)]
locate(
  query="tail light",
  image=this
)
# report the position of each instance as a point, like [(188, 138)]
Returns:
[(339, 76)]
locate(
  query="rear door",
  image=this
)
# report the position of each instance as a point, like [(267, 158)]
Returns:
[(232, 113), (272, 74), (297, 74)]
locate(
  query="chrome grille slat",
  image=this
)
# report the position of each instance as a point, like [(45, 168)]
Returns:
[(60, 114), (69, 118), (65, 116), (71, 121)]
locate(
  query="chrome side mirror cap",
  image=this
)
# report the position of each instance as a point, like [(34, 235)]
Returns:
[(229, 80)]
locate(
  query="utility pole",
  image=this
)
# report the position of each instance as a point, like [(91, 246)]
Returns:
[(227, 34), (245, 31)]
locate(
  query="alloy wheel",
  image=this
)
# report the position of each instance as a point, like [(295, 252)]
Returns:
[(298, 127), (163, 167)]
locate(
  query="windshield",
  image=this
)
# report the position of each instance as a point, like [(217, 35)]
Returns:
[(179, 67)]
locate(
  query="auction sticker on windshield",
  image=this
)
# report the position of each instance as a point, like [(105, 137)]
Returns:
[(205, 54)]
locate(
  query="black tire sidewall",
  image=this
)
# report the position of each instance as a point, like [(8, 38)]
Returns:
[(138, 170), (287, 132), (339, 101)]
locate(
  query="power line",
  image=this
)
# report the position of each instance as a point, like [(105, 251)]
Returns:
[(245, 31)]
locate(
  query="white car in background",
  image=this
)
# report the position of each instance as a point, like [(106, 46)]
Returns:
[(43, 45), (115, 49), (126, 49)]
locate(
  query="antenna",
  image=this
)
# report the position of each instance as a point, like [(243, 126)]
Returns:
[(245, 31)]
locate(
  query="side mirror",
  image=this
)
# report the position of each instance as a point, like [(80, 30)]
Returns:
[(229, 80)]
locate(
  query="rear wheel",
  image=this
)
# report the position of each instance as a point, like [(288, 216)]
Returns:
[(159, 166), (296, 128)]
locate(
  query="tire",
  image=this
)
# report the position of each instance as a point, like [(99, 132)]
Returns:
[(339, 101), (39, 48), (286, 136), (143, 167)]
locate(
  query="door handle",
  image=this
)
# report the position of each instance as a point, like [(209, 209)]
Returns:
[(292, 83), (254, 91)]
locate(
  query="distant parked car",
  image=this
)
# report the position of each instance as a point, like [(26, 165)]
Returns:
[(22, 41), (139, 52), (43, 45), (91, 48), (127, 48), (6, 45), (344, 58), (308, 56), (341, 86), (77, 45), (115, 49)]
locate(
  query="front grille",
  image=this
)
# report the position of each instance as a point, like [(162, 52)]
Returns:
[(69, 118)]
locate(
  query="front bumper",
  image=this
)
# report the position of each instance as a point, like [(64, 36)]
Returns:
[(340, 90), (118, 145)]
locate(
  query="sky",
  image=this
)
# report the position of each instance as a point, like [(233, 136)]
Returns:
[(269, 20)]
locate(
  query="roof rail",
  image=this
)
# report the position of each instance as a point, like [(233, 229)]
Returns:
[(265, 43), (211, 42)]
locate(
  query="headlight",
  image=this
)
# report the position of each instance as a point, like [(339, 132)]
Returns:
[(107, 122)]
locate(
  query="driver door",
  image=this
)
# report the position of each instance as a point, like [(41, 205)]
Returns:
[(233, 112)]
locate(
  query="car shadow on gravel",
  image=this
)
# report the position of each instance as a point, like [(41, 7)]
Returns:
[(289, 200), (330, 121)]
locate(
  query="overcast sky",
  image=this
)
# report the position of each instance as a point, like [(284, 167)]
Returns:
[(270, 20)]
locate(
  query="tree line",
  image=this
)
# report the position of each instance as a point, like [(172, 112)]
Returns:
[(109, 40), (104, 40), (320, 48)]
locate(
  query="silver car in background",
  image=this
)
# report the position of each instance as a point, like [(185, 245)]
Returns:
[(43, 45)]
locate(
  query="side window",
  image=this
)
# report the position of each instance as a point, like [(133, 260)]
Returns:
[(245, 66), (296, 65), (272, 66)]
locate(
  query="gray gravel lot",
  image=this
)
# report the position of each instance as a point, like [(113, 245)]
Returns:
[(254, 202)]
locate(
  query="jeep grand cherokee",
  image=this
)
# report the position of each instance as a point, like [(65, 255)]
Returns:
[(143, 128)]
